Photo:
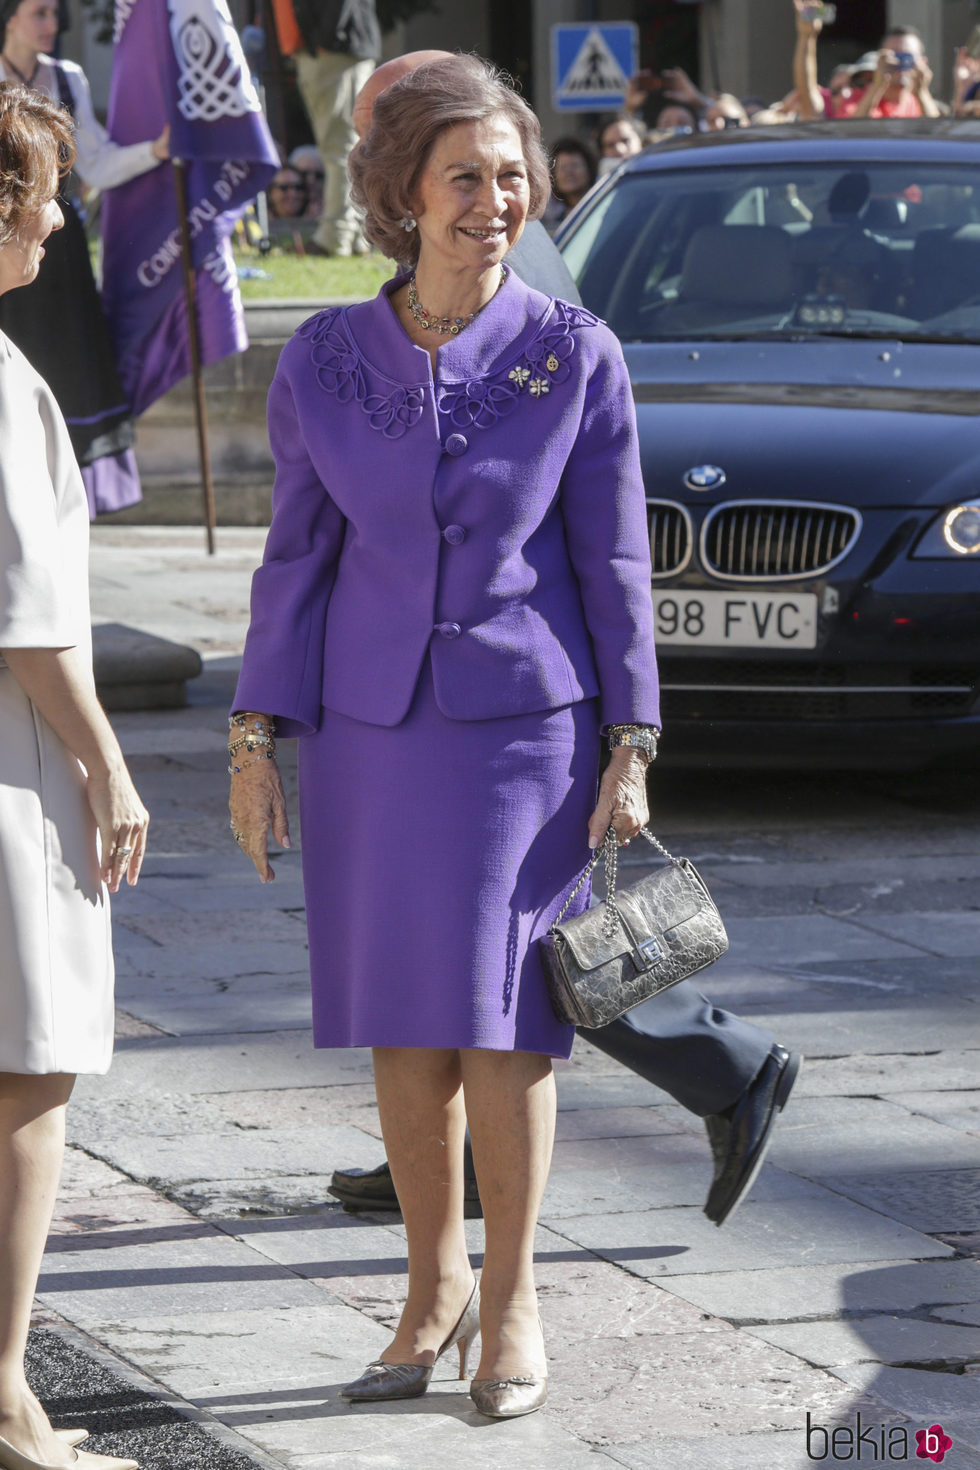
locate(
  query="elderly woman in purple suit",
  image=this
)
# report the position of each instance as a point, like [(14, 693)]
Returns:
[(453, 606)]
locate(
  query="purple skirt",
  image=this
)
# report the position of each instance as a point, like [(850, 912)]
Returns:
[(435, 854)]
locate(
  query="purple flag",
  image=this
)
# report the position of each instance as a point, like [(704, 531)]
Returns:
[(179, 62)]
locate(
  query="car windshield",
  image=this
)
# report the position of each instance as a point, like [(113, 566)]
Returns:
[(851, 249)]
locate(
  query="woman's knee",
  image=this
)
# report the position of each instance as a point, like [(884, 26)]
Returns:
[(24, 1097)]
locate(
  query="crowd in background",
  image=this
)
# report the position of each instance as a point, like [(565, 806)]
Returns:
[(895, 81)]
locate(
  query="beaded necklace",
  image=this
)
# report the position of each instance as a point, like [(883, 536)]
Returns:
[(448, 326)]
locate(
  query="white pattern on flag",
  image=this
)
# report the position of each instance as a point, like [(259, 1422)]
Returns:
[(214, 82), (595, 69), (124, 9)]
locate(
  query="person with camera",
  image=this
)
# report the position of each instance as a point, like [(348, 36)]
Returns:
[(902, 81)]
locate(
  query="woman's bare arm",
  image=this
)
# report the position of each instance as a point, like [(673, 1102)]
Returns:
[(58, 682)]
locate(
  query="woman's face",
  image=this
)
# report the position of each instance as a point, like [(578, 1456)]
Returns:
[(33, 27), (20, 258), (620, 140), (287, 193), (473, 196), (571, 175)]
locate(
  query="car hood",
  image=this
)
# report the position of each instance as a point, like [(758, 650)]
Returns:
[(864, 423)]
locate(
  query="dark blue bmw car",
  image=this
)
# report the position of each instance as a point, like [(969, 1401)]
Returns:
[(800, 312)]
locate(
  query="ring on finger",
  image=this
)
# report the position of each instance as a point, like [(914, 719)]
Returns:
[(120, 852)]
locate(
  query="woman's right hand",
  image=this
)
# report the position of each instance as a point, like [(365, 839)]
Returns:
[(122, 821), (257, 804)]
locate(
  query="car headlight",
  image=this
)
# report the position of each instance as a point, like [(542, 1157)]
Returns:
[(955, 533)]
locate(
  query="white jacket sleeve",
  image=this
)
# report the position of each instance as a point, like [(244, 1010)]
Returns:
[(99, 162)]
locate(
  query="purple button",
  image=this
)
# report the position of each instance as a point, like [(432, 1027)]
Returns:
[(456, 445), (449, 630), (455, 535)]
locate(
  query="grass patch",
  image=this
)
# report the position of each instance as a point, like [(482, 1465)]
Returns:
[(312, 278)]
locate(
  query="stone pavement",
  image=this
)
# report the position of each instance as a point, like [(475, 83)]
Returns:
[(195, 1250)]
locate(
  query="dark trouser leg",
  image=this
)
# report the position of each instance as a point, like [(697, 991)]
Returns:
[(702, 1056)]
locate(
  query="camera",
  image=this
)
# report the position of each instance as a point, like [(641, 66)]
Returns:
[(904, 60), (814, 10)]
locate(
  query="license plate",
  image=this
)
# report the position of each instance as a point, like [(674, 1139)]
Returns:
[(736, 619)]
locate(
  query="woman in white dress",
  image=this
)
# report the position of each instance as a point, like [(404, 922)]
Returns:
[(71, 822)]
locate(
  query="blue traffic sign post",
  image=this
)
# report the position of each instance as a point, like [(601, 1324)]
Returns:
[(591, 65)]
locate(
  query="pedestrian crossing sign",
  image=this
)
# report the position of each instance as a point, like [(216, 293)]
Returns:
[(591, 65)]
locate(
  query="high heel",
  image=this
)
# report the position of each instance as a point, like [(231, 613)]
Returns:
[(508, 1398), (11, 1459), (410, 1380), (71, 1436)]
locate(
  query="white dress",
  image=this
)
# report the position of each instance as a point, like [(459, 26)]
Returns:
[(56, 973)]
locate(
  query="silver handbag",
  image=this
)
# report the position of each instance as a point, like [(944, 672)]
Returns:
[(640, 941)]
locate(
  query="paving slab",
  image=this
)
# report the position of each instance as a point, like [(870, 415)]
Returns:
[(969, 1313), (125, 1413), (216, 1361), (782, 1450), (924, 977), (955, 1109), (255, 1002), (881, 1339), (351, 1102), (811, 938), (616, 1088), (929, 1200), (442, 1429), (609, 1123), (645, 1151), (216, 926), (941, 933), (924, 1395), (921, 1068), (591, 1191), (243, 1154), (95, 1203), (235, 1062), (819, 1230), (902, 1147), (328, 1245), (94, 1120), (206, 1273), (862, 1022), (627, 1390), (794, 1293)]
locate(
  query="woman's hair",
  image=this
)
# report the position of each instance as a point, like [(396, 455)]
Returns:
[(571, 144), (35, 142), (408, 117)]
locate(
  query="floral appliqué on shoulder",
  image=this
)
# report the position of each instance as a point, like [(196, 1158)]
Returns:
[(340, 370), (543, 364)]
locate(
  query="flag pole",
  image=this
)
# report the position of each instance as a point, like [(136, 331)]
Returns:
[(194, 342)]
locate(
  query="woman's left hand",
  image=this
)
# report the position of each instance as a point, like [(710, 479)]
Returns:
[(622, 797), (161, 145)]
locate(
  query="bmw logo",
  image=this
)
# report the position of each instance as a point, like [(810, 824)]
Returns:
[(704, 477)]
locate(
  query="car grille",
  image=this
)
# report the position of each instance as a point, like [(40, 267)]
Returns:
[(716, 689), (766, 539), (671, 537)]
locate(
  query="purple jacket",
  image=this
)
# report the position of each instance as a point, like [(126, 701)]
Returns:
[(492, 518)]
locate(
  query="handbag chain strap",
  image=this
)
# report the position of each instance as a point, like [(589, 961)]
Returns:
[(610, 851)]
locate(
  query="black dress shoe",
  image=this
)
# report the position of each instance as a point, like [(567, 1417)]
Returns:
[(741, 1135), (374, 1189)]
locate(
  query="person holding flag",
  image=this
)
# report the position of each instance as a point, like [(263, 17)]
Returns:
[(59, 326), (179, 63)]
